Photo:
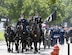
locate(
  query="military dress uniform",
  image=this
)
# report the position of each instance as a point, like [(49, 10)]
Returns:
[(30, 22), (55, 35), (37, 19), (24, 23), (61, 36)]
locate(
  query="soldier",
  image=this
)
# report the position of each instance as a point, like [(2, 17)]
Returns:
[(30, 18), (29, 28), (30, 21), (37, 19), (55, 35), (22, 21), (61, 35)]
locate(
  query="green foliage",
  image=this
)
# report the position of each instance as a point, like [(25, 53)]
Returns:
[(70, 20), (1, 35), (3, 11), (53, 1), (13, 8)]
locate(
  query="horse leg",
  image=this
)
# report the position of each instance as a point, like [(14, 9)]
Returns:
[(16, 46), (48, 43), (31, 45), (39, 44), (12, 46), (26, 46), (22, 46), (6, 42), (35, 46), (43, 39), (45, 42), (67, 38), (9, 47)]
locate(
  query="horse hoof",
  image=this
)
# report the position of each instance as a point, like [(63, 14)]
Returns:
[(9, 50), (39, 52), (12, 51), (17, 51), (21, 51), (26, 49), (31, 47), (39, 49), (44, 47), (35, 52)]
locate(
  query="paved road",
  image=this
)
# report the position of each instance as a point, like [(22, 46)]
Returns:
[(3, 51), (63, 50)]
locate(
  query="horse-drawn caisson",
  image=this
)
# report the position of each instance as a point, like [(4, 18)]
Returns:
[(24, 33), (29, 32)]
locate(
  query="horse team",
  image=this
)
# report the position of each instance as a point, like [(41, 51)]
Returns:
[(25, 33)]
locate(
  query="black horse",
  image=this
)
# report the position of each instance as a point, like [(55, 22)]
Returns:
[(68, 35), (9, 38), (22, 38), (26, 39), (36, 35), (19, 34)]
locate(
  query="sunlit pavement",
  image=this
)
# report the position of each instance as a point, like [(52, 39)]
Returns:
[(63, 50), (3, 51)]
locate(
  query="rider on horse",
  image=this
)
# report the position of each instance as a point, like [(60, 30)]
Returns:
[(37, 19), (30, 21), (23, 21)]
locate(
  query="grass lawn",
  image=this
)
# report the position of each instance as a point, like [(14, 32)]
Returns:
[(1, 35)]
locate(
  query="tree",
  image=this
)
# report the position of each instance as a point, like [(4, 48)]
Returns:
[(13, 8)]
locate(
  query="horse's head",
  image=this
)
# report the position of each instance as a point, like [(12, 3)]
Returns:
[(34, 26), (35, 29), (9, 31), (19, 27), (8, 28)]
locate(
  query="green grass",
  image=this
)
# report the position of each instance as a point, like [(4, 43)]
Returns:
[(1, 35)]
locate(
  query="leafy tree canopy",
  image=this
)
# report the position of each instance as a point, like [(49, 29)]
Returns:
[(13, 8)]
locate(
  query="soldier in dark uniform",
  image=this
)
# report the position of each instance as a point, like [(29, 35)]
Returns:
[(23, 22), (55, 35), (37, 19), (30, 18), (61, 36), (30, 22)]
